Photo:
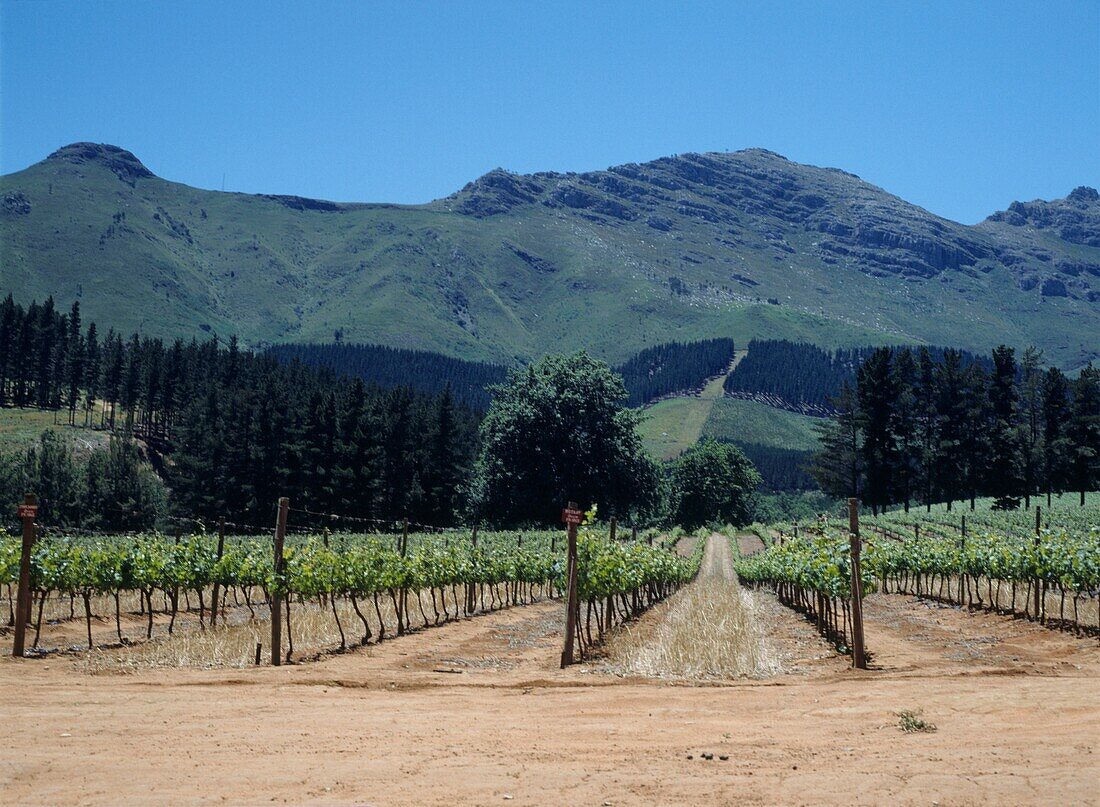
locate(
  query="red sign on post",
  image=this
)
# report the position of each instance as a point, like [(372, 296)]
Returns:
[(571, 516), (28, 510)]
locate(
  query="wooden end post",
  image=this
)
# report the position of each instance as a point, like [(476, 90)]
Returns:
[(1038, 603), (859, 659), (214, 593), (571, 598), (28, 511), (614, 527), (277, 585)]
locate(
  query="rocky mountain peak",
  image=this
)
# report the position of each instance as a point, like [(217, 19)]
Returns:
[(1076, 218), (118, 160), (1084, 194)]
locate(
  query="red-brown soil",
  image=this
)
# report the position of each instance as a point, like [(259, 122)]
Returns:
[(476, 712)]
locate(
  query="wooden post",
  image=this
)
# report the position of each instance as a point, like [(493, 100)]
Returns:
[(221, 549), (964, 527), (634, 533), (859, 660), (28, 511), (571, 597), (1038, 599), (614, 527), (404, 537), (277, 586)]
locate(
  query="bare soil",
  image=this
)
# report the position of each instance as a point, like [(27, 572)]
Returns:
[(476, 712)]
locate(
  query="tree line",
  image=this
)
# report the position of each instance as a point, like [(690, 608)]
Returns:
[(112, 488), (651, 374), (229, 431), (917, 427), (805, 376), (780, 469), (395, 367), (664, 369), (232, 431)]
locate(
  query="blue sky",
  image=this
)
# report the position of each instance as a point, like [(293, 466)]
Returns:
[(958, 106)]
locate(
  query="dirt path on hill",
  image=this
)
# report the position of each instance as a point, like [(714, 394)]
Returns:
[(717, 559), (478, 712)]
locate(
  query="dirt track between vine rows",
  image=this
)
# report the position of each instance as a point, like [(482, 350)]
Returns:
[(477, 712)]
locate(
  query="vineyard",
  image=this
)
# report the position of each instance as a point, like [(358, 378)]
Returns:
[(1015, 562), (367, 586)]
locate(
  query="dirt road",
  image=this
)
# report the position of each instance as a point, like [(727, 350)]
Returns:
[(717, 559), (1017, 710)]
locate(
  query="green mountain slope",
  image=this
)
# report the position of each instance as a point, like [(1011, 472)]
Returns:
[(512, 266), (736, 421)]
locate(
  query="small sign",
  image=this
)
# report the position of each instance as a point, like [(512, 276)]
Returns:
[(27, 510), (571, 516)]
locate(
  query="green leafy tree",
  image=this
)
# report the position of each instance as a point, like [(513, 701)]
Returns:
[(55, 478), (557, 431), (121, 492), (714, 483)]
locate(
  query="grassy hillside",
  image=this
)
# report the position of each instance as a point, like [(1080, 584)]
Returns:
[(513, 266), (675, 424), (737, 421), (20, 429)]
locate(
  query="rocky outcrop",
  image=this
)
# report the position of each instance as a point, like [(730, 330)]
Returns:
[(302, 203), (534, 261), (1076, 218), (15, 204), (121, 162), (496, 192)]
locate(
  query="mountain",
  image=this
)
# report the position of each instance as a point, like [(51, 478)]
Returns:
[(745, 244)]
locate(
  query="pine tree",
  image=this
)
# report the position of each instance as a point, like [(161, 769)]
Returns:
[(951, 416), (131, 381), (9, 330), (877, 391), (928, 426), (74, 371), (838, 465), (1084, 431), (906, 426), (1057, 446), (446, 462), (1031, 420), (1005, 478), (91, 372), (974, 447)]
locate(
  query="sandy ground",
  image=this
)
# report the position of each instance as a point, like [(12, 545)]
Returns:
[(476, 712)]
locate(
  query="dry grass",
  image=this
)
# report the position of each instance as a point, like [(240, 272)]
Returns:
[(313, 631), (709, 630), (1006, 597)]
